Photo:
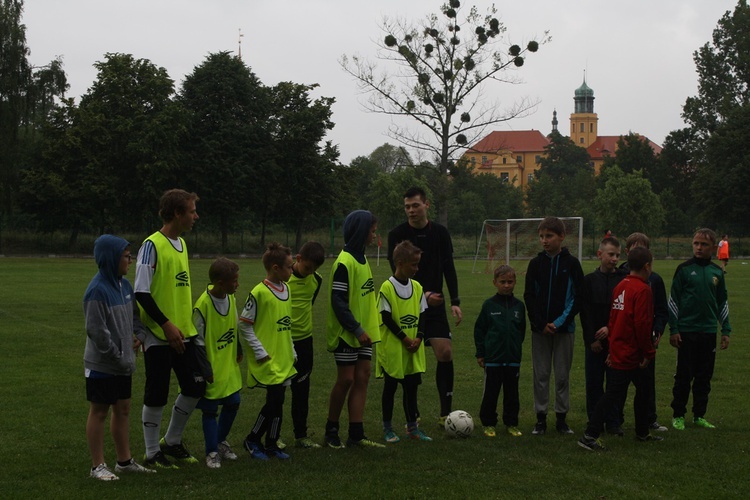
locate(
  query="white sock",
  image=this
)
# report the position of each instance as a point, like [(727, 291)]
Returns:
[(181, 411), (151, 418)]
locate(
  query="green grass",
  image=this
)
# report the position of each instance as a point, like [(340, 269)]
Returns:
[(44, 451)]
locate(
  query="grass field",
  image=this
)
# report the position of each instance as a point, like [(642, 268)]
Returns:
[(44, 453)]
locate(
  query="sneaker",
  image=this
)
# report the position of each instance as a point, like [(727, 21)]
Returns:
[(489, 431), (440, 422), (213, 460), (539, 428), (391, 437), (656, 426), (418, 435), (280, 444), (225, 451), (334, 441), (364, 443), (276, 452), (615, 430), (177, 451), (158, 460), (702, 422), (591, 444), (563, 428), (133, 466), (679, 423), (305, 442), (649, 438), (513, 431), (255, 450), (102, 473)]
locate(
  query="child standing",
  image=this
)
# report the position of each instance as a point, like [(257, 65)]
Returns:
[(630, 351), (400, 356), (661, 316), (304, 286), (215, 319), (596, 303), (265, 323), (697, 303), (109, 358), (352, 329), (498, 335), (554, 280), (723, 252)]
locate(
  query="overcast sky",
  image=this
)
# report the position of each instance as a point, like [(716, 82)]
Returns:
[(637, 54)]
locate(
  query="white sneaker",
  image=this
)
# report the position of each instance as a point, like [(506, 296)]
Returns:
[(225, 451), (133, 466), (213, 460), (102, 473)]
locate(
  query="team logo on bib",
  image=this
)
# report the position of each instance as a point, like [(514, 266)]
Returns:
[(284, 323), (182, 279), (368, 287), (409, 321), (226, 339)]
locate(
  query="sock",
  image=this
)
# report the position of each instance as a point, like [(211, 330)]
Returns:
[(444, 379), (181, 411), (356, 431), (125, 463), (332, 427), (151, 418)]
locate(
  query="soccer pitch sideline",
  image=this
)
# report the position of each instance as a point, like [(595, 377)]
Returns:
[(44, 450)]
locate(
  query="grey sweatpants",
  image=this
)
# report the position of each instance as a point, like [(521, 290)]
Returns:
[(548, 352)]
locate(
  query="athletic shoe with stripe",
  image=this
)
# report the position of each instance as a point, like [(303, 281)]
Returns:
[(513, 431), (592, 444), (702, 422), (276, 452), (213, 460), (158, 460), (177, 451), (391, 437), (255, 449), (364, 443), (418, 435), (133, 466), (225, 451), (102, 473), (305, 442)]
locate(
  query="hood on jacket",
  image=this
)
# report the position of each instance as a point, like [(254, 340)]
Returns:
[(107, 253), (357, 227)]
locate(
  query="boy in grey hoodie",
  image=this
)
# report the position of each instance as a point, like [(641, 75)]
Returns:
[(109, 358)]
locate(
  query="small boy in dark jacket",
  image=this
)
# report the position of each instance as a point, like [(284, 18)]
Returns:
[(498, 334)]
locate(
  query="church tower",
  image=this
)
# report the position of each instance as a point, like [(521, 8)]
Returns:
[(584, 122)]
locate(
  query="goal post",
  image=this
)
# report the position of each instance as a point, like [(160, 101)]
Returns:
[(503, 240)]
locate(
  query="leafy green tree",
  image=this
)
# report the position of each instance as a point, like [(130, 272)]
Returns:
[(564, 184), (308, 185), (228, 141), (626, 204), (721, 187), (723, 67), (390, 158), (633, 153), (444, 63), (27, 96)]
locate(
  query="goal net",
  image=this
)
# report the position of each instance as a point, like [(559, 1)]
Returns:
[(503, 240)]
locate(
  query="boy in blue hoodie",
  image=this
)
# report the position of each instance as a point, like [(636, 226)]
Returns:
[(353, 327), (111, 319)]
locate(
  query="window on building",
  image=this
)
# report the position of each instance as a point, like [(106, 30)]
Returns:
[(519, 159), (473, 160), (583, 127), (504, 177), (530, 178), (581, 140), (591, 128), (484, 159), (537, 159)]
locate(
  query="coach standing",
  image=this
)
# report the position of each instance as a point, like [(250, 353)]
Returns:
[(436, 264)]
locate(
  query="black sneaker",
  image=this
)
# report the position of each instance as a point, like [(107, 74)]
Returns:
[(333, 441), (158, 461), (563, 428), (656, 426), (177, 451), (649, 438), (539, 428), (591, 444)]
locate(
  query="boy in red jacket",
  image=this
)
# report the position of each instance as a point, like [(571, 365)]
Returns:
[(630, 350)]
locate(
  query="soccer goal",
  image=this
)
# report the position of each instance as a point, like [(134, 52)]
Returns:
[(503, 240)]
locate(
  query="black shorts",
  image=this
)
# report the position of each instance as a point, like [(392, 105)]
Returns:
[(436, 324), (304, 365), (160, 360), (108, 390), (346, 355)]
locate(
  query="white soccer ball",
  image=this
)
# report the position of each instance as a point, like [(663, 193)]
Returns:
[(459, 424)]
